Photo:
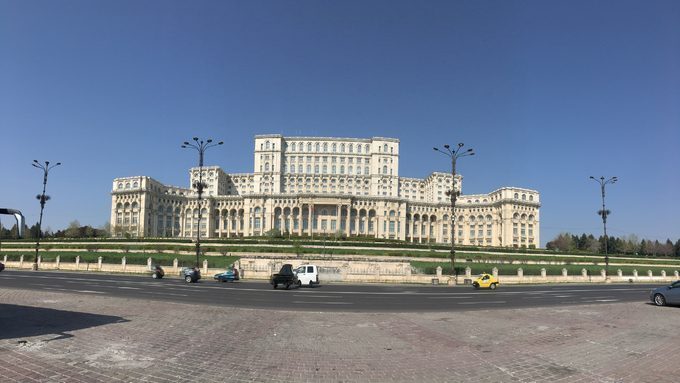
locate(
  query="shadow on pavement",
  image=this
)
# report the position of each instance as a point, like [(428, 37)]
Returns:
[(26, 321)]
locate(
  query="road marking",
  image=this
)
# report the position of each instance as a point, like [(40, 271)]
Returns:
[(316, 296), (447, 297), (324, 303), (606, 300), (481, 303), (88, 291), (128, 288)]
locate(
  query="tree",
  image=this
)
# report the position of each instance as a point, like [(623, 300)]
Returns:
[(563, 242), (676, 249), (73, 230)]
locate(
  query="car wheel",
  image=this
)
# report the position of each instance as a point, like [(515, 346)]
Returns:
[(187, 279), (493, 286), (287, 286), (659, 300), (299, 284), (154, 276), (275, 286), (311, 284)]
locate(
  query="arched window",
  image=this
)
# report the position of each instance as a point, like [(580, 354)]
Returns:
[(335, 147), (351, 148), (325, 169), (299, 168), (358, 148), (385, 148), (325, 147), (349, 169), (292, 147), (309, 168), (384, 169), (358, 169), (266, 166), (516, 196), (367, 151), (531, 198), (135, 184), (120, 185), (309, 146), (333, 169), (342, 169), (524, 197), (342, 148), (366, 170), (318, 147), (127, 185), (266, 145)]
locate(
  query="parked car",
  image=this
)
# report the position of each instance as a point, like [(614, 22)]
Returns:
[(230, 275), (285, 277), (308, 275), (485, 281), (190, 274), (2, 266), (666, 295), (157, 272)]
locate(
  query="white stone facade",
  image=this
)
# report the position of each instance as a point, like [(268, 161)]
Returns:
[(307, 186)]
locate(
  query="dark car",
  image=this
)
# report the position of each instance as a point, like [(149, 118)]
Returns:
[(285, 277), (190, 274), (157, 272), (2, 266), (666, 295), (227, 276)]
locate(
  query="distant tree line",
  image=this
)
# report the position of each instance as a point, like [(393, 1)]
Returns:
[(629, 244), (74, 230)]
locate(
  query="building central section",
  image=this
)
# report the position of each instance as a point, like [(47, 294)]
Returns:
[(306, 186)]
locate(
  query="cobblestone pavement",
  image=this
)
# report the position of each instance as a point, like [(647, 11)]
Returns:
[(62, 337)]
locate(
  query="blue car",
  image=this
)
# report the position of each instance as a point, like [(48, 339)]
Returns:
[(227, 276)]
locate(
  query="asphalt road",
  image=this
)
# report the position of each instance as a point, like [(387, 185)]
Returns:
[(331, 297)]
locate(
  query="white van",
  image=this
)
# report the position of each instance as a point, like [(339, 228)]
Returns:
[(308, 275)]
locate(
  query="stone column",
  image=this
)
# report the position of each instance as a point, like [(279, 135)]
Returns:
[(205, 267), (338, 218), (310, 215), (348, 220), (123, 262), (543, 273), (99, 263), (78, 262), (58, 260)]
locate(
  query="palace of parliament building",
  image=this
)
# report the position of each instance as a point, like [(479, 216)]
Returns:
[(323, 186)]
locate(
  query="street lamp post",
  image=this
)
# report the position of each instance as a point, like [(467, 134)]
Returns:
[(43, 199), (604, 213), (454, 155), (200, 146)]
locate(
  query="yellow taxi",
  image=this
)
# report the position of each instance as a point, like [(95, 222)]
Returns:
[(485, 281)]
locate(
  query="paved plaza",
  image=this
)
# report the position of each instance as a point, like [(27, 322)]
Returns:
[(64, 337)]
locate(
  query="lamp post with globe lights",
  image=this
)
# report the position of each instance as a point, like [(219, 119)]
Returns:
[(43, 199), (454, 155), (200, 146), (604, 213)]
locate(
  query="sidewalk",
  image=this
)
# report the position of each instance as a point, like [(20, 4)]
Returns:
[(60, 337)]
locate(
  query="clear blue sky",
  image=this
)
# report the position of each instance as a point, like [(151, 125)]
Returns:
[(546, 92)]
